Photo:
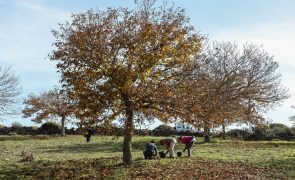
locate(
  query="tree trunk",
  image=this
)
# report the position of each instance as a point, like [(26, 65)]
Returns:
[(63, 130), (129, 128), (223, 131), (207, 135)]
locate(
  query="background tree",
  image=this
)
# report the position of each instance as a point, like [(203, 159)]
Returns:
[(49, 105), (293, 117), (124, 64), (10, 89), (234, 86)]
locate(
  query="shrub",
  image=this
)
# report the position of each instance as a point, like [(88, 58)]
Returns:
[(238, 133), (164, 130), (278, 126), (16, 125), (279, 131), (257, 134), (50, 128), (273, 131)]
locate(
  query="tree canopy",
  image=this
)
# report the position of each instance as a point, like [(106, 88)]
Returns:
[(149, 62), (125, 64), (49, 105), (232, 85), (10, 89)]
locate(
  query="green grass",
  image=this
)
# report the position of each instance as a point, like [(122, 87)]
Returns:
[(71, 157)]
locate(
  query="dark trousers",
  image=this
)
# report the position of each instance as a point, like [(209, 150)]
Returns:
[(148, 155), (189, 146)]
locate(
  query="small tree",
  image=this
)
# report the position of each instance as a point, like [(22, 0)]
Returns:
[(49, 105), (10, 89)]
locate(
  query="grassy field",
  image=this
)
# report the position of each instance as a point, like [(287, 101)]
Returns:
[(72, 158)]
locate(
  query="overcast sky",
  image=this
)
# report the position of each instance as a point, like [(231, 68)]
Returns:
[(26, 38)]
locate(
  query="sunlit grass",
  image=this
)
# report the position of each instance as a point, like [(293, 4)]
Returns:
[(279, 155)]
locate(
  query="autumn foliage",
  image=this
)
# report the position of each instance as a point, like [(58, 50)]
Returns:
[(150, 63), (127, 64), (49, 106)]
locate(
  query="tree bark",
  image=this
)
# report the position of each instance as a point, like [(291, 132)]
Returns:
[(129, 126), (223, 131), (206, 132), (63, 130), (207, 135), (129, 129)]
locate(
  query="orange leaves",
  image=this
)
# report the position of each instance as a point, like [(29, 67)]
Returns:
[(48, 104), (141, 54)]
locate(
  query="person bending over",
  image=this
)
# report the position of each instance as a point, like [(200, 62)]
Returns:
[(150, 150), (188, 141), (169, 143)]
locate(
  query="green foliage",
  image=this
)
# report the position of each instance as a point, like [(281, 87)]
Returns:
[(278, 126), (16, 125), (273, 131), (237, 133), (164, 130), (50, 128)]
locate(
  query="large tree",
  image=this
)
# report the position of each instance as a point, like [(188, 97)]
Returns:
[(236, 86), (10, 89), (123, 64), (49, 105)]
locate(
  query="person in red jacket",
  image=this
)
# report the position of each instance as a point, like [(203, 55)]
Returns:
[(169, 143), (188, 141)]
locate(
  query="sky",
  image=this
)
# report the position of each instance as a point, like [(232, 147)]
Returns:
[(26, 38)]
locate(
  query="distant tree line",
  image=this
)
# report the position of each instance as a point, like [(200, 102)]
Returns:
[(267, 132)]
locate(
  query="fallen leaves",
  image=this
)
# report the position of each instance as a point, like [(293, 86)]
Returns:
[(112, 168)]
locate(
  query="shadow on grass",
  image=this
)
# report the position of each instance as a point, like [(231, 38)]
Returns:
[(26, 137), (14, 138), (104, 147), (112, 168), (285, 165), (70, 169)]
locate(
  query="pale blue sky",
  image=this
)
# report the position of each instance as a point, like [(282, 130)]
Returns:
[(26, 38)]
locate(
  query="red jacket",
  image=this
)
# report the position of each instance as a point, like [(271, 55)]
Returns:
[(166, 142), (186, 139)]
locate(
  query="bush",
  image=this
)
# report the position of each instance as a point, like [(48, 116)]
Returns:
[(278, 126), (164, 130), (238, 133), (50, 128), (273, 131), (280, 131), (15, 127), (257, 134)]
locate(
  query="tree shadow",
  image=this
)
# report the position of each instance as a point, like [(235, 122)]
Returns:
[(68, 169), (105, 147), (287, 166), (27, 137), (13, 138)]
